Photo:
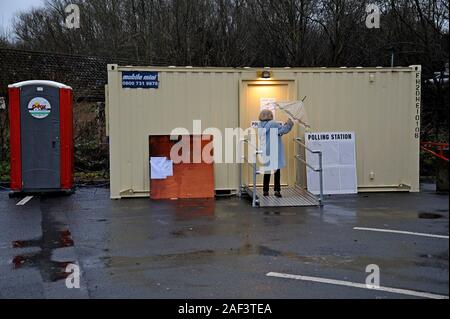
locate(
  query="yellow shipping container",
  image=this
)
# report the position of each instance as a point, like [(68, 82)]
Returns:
[(381, 105)]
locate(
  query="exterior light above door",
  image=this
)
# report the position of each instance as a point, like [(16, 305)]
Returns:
[(264, 75)]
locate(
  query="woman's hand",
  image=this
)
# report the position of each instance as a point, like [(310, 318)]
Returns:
[(289, 122)]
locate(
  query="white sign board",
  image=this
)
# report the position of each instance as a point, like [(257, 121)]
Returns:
[(339, 162), (161, 168), (255, 124), (268, 103)]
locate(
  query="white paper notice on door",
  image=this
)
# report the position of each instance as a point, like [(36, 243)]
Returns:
[(339, 162), (268, 103), (161, 168)]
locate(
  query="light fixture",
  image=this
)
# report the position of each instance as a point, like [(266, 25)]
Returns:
[(264, 75)]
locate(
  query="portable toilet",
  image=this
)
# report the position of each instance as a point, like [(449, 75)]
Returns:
[(41, 137)]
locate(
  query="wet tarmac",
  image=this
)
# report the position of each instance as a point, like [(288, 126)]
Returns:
[(220, 249)]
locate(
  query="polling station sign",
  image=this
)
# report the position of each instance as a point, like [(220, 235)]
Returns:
[(140, 80), (339, 162)]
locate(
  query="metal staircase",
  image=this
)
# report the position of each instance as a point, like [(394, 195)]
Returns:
[(297, 196)]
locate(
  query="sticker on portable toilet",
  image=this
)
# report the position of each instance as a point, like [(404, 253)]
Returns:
[(39, 108)]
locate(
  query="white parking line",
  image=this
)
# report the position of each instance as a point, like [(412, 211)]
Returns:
[(24, 201), (358, 285), (401, 232)]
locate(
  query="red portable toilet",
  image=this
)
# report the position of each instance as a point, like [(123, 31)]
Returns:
[(41, 137)]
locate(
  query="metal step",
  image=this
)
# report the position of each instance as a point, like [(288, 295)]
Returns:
[(292, 197)]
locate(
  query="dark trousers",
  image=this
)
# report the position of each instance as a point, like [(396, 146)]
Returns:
[(277, 182)]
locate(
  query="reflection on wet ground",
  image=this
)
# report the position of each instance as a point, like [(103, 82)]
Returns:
[(133, 246), (205, 256), (194, 209), (54, 236), (430, 216), (51, 271)]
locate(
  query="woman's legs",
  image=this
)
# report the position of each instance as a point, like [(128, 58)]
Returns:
[(278, 181), (266, 183)]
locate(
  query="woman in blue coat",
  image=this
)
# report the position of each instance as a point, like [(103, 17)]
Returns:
[(270, 136)]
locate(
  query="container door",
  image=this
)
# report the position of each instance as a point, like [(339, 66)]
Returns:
[(255, 95), (40, 123)]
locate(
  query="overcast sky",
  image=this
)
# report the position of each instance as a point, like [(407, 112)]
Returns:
[(8, 8)]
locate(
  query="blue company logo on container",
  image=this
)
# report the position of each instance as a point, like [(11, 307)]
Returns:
[(140, 80)]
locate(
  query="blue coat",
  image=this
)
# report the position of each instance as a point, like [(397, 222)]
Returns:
[(277, 160)]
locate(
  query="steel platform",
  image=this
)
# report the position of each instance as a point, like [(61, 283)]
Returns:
[(292, 197)]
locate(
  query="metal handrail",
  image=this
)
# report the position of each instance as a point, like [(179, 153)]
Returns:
[(255, 170), (307, 164), (299, 141), (319, 170)]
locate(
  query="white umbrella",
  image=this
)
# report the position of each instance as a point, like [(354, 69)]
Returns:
[(296, 111)]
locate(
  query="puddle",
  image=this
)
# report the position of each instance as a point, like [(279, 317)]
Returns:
[(194, 209), (279, 214), (26, 243), (201, 230), (443, 256), (65, 238), (54, 236), (272, 213), (19, 261), (52, 272), (430, 216), (205, 256), (439, 261)]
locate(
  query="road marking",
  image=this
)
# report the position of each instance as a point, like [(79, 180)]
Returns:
[(24, 201), (358, 285), (401, 232)]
